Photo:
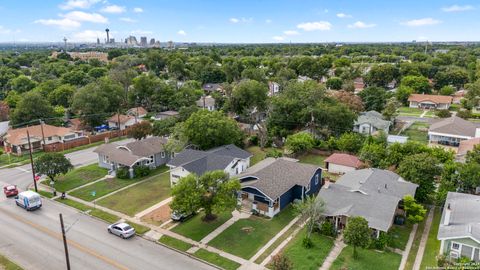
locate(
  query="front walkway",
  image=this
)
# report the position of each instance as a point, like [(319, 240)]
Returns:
[(423, 241), (408, 247), (332, 256)]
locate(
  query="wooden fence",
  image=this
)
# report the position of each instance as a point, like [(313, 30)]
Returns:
[(57, 147)]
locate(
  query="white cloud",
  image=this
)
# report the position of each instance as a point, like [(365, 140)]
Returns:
[(361, 25), (182, 33), (138, 10), (234, 20), (343, 15), (240, 20), (457, 8), (268, 21), (129, 20), (82, 4), (291, 33), (278, 38), (88, 36), (4, 30), (421, 22), (64, 23), (81, 16), (313, 26), (113, 9)]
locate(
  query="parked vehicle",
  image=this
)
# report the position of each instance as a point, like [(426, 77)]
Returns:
[(28, 200), (121, 229), (177, 216), (10, 190)]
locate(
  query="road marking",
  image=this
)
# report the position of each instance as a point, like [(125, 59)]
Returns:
[(70, 242), (22, 169)]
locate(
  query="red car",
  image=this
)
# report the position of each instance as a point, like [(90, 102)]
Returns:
[(10, 190)]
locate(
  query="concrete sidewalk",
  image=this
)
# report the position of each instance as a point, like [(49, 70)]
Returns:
[(339, 245), (423, 241), (408, 247)]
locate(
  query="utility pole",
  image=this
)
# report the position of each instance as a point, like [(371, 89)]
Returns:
[(64, 236), (43, 134), (31, 160), (118, 122)]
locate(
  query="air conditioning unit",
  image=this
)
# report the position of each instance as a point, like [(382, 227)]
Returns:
[(454, 254)]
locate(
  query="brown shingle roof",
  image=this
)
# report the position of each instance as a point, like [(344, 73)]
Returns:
[(467, 145), (432, 98), (345, 160), (19, 135), (123, 118)]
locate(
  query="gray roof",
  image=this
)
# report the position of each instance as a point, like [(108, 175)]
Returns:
[(464, 217), (209, 101), (455, 126), (370, 193), (199, 162), (147, 147), (212, 87), (274, 177), (373, 118), (117, 155)]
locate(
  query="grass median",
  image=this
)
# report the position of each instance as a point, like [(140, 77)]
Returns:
[(79, 177)]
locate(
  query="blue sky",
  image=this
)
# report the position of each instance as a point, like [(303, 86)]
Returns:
[(241, 21)]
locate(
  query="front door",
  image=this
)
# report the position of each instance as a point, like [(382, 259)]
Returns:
[(251, 197)]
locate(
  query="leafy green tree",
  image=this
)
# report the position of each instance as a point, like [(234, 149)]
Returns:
[(12, 99), (213, 192), (155, 61), (374, 98), (334, 83), (62, 95), (455, 76), (402, 94), (350, 142), (419, 84), (140, 130), (97, 72), (300, 142), (447, 90), (123, 74), (310, 209), (357, 234), (75, 77), (247, 96), (352, 101), (52, 165), (114, 53), (382, 75), (390, 110), (164, 127), (32, 106), (207, 129), (443, 113), (421, 169), (415, 211), (473, 156), (373, 154), (254, 74), (469, 176), (22, 84)]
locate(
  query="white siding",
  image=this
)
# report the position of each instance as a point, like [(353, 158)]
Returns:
[(337, 168)]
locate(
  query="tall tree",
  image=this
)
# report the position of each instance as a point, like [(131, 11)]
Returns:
[(52, 165), (421, 169), (249, 96), (310, 209), (32, 106), (140, 130), (374, 98), (300, 142), (357, 234)]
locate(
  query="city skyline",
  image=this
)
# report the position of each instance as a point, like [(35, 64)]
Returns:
[(251, 21)]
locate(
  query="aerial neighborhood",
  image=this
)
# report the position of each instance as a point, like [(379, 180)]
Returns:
[(240, 152)]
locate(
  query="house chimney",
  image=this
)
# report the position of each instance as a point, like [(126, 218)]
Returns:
[(448, 212), (327, 184)]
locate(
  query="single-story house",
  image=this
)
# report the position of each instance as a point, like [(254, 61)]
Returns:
[(464, 147), (451, 131), (164, 115), (272, 184), (228, 158), (16, 140), (459, 229), (148, 152), (138, 112), (206, 102), (458, 96), (213, 87), (125, 121), (273, 88), (373, 194), (371, 122), (423, 101), (342, 163), (4, 127)]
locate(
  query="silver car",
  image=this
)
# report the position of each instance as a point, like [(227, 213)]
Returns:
[(121, 229)]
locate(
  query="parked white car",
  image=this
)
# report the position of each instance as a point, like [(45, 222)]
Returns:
[(121, 229)]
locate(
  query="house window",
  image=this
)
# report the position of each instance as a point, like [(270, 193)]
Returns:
[(455, 246), (151, 159), (49, 138), (163, 154), (316, 179)]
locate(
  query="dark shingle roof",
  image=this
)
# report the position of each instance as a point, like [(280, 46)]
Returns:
[(231, 150), (147, 147), (455, 126)]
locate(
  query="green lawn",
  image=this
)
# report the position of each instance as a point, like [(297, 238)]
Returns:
[(216, 259), (109, 218), (433, 244), (79, 177), (418, 131), (308, 259), (101, 188), (196, 229), (368, 259), (139, 197), (139, 229), (275, 244), (6, 264), (246, 236), (258, 154), (313, 159), (415, 244), (46, 194), (80, 206), (174, 243), (400, 235), (407, 111)]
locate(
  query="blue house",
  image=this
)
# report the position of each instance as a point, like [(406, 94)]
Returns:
[(272, 184)]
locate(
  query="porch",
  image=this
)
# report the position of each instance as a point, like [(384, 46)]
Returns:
[(253, 203)]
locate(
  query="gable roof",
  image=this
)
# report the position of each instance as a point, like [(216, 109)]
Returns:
[(455, 126), (19, 135), (123, 118), (467, 145), (212, 87), (140, 110), (344, 159), (373, 118), (199, 162), (464, 217), (432, 98), (274, 177)]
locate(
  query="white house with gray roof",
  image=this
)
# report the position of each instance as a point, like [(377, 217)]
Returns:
[(371, 122), (373, 194), (451, 131), (228, 158), (459, 229)]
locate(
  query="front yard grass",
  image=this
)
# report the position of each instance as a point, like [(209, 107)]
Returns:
[(6, 264), (418, 132), (258, 154), (400, 235), (415, 244), (308, 258), (407, 111), (78, 177), (216, 259), (368, 259), (109, 218), (101, 188), (139, 197), (314, 159), (196, 229), (432, 247), (246, 236), (139, 229), (174, 243)]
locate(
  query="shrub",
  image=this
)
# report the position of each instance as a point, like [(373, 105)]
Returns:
[(281, 262), (122, 173), (307, 243), (1, 152), (274, 153), (443, 113), (141, 171), (326, 228), (381, 242), (253, 140), (465, 114)]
